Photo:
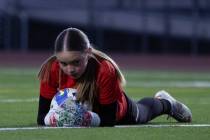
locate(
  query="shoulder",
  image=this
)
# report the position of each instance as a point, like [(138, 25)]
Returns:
[(106, 72), (106, 67)]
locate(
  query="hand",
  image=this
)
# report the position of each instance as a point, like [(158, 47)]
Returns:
[(71, 114)]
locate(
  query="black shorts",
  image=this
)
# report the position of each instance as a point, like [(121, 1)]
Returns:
[(132, 116)]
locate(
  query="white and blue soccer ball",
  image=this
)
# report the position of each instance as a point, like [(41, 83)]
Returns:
[(66, 111), (62, 95)]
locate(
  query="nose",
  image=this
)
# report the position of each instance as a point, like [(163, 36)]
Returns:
[(71, 69)]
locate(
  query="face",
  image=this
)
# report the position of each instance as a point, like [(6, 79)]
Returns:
[(73, 63)]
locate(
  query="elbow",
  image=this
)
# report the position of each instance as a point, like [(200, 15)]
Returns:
[(107, 122), (40, 121)]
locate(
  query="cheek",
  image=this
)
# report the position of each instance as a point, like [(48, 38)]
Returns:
[(82, 68), (63, 68)]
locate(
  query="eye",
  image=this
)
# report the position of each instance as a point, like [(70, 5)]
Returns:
[(63, 64), (76, 62)]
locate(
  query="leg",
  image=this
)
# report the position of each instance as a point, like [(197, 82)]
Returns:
[(144, 110), (150, 108)]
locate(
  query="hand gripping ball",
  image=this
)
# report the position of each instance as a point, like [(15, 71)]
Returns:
[(66, 111)]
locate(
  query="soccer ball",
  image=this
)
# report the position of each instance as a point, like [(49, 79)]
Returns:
[(63, 95), (66, 111)]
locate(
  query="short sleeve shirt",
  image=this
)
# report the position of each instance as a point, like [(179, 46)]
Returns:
[(109, 87)]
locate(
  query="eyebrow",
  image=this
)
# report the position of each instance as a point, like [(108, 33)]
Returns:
[(70, 62)]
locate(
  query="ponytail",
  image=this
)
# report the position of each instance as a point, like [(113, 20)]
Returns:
[(102, 55), (86, 85)]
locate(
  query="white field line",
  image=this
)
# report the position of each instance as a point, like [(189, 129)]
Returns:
[(30, 100), (34, 128), (179, 84), (165, 125), (118, 126), (155, 83), (18, 100)]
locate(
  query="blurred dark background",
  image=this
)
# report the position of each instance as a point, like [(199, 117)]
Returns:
[(136, 26)]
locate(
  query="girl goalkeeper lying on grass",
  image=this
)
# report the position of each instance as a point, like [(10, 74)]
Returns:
[(98, 82)]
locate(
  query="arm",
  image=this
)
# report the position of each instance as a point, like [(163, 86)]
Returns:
[(47, 91), (108, 114), (109, 92), (44, 106)]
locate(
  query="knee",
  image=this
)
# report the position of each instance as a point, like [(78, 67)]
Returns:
[(146, 101), (143, 114)]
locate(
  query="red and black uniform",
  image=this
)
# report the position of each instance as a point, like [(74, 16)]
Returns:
[(110, 93), (114, 106)]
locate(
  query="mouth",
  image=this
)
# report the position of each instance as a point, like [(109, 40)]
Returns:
[(75, 76)]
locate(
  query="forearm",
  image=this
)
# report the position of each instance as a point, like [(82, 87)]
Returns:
[(44, 106), (107, 114)]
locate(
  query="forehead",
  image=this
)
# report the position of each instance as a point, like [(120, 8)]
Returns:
[(68, 56)]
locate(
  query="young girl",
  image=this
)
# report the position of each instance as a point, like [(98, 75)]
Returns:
[(99, 83)]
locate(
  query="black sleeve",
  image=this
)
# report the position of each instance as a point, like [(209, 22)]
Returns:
[(44, 106), (107, 114)]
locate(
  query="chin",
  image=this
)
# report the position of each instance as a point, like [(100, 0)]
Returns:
[(75, 77)]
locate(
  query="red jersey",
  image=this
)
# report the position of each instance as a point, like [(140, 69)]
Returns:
[(109, 88)]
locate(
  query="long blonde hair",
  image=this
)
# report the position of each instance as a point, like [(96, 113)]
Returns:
[(73, 39)]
